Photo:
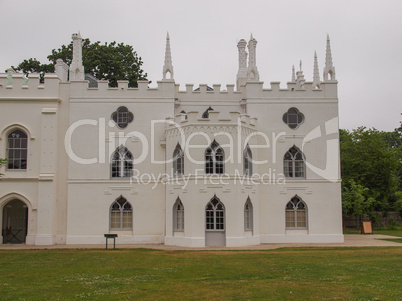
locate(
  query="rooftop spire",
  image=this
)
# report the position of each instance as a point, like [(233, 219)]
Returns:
[(329, 68), (242, 73), (77, 68), (293, 74), (300, 78), (168, 66), (316, 73), (252, 72)]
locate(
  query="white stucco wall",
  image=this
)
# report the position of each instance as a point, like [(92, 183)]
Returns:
[(69, 190)]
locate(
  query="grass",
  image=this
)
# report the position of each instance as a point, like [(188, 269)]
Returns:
[(141, 274), (392, 231), (393, 239), (389, 232)]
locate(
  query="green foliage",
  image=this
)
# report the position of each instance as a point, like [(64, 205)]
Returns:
[(110, 62), (3, 162), (355, 199), (370, 163), (33, 65), (394, 141), (398, 203)]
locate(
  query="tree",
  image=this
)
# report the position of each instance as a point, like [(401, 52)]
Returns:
[(110, 62), (355, 200), (394, 141), (368, 159), (3, 162), (33, 65), (398, 202)]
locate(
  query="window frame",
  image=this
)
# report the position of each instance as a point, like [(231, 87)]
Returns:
[(247, 161), (214, 159), (293, 166), (293, 213), (215, 216), (121, 165), (178, 216), (122, 117), (178, 161), (290, 115), (20, 150), (248, 216), (121, 215)]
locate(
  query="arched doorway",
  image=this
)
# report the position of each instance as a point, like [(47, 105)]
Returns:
[(215, 234), (15, 222)]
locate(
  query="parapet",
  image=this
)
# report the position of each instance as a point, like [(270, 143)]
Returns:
[(256, 90), (193, 118), (80, 89), (18, 86), (204, 92), (328, 89)]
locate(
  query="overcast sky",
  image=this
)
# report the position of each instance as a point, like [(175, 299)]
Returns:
[(366, 42)]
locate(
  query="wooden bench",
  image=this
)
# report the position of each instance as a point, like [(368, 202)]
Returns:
[(113, 236)]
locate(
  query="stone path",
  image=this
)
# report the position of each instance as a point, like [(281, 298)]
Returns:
[(351, 240)]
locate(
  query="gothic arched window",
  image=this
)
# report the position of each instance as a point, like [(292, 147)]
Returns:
[(247, 159), (17, 150), (178, 161), (121, 215), (122, 163), (296, 214), (215, 215), (248, 215), (214, 159), (178, 216), (293, 163)]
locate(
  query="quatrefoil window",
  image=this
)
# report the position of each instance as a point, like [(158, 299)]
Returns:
[(293, 118), (122, 117)]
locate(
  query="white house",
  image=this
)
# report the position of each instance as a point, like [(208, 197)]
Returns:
[(228, 166)]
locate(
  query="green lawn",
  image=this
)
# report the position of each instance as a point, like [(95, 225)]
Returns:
[(389, 232), (393, 239), (397, 232), (140, 274)]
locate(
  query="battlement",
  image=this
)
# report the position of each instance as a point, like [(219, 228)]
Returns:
[(249, 86), (80, 89), (327, 89), (170, 89), (204, 92), (194, 118), (251, 90), (16, 85)]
